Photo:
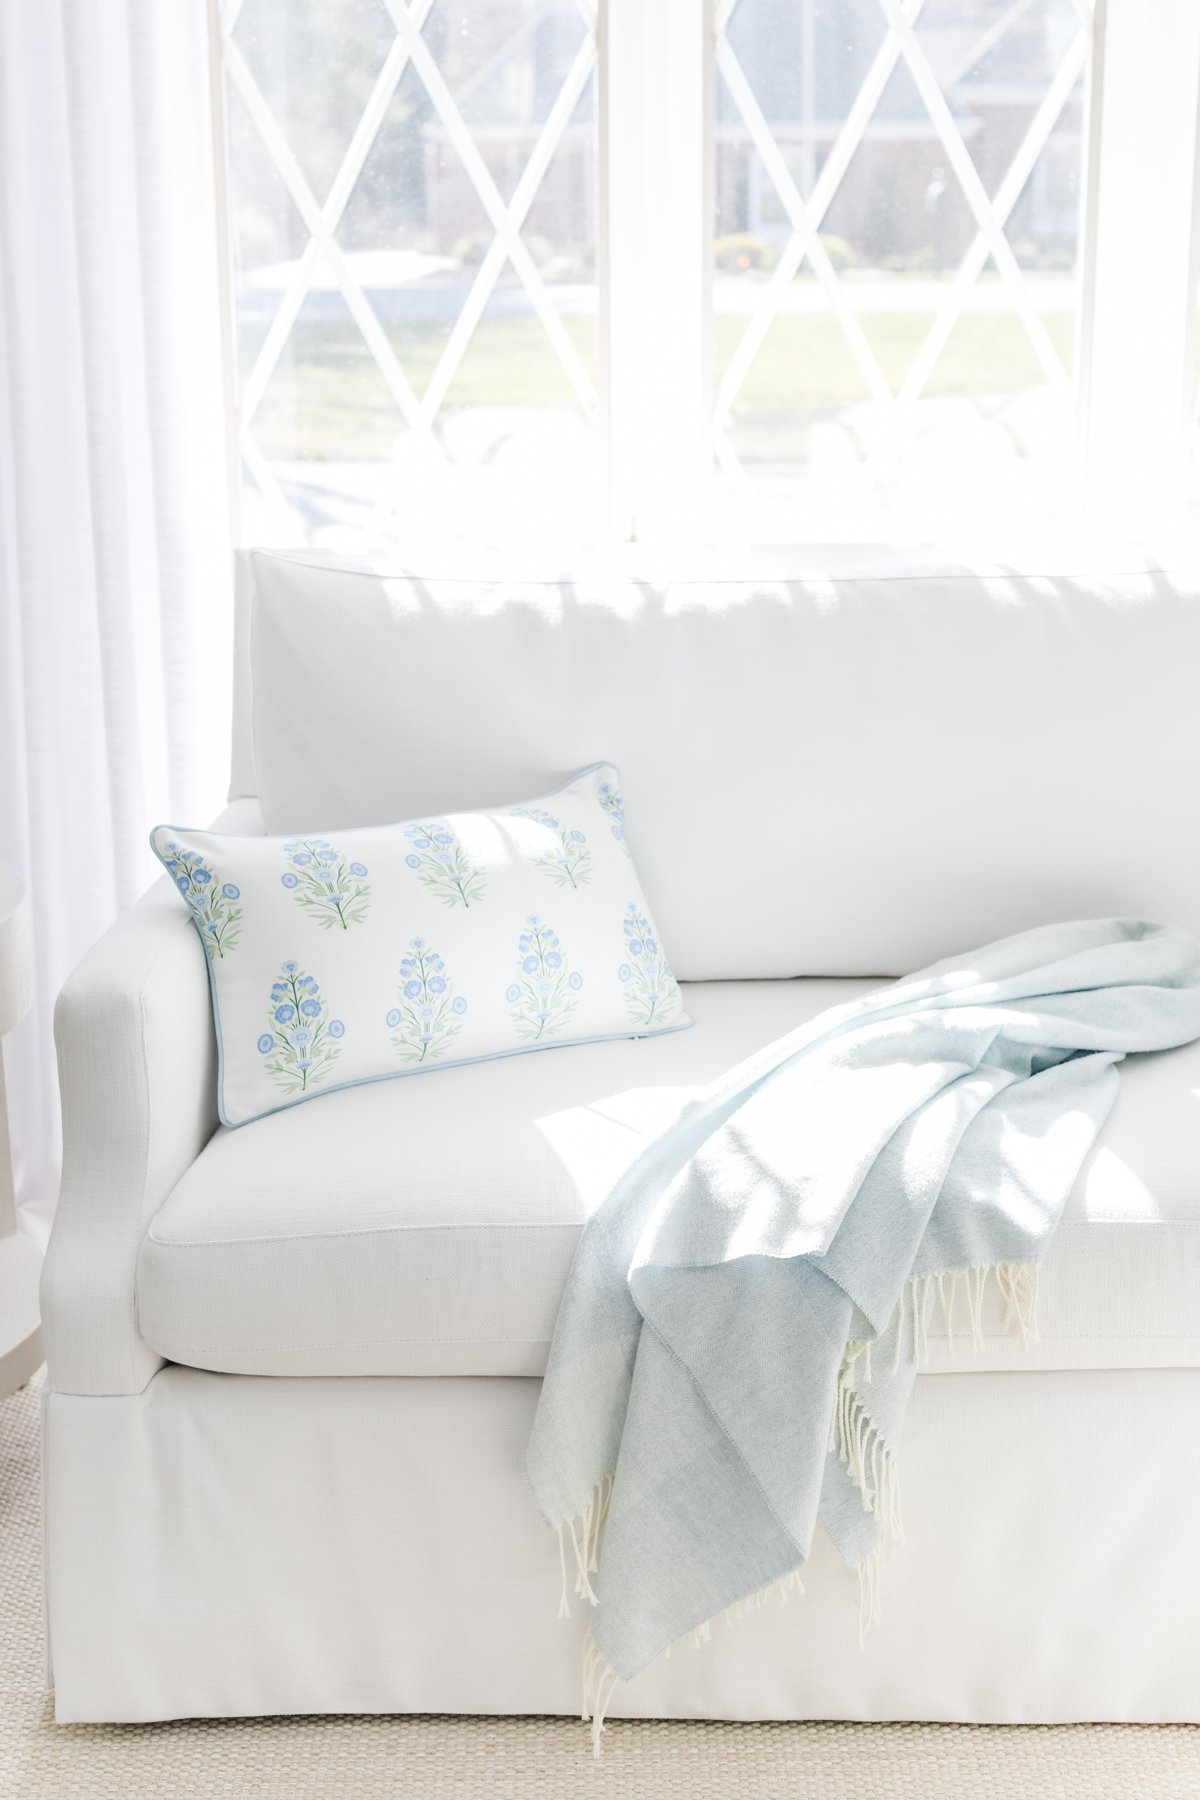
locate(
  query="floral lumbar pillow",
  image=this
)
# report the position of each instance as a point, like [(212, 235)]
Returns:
[(349, 956)]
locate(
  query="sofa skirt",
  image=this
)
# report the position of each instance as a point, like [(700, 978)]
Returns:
[(228, 1545)]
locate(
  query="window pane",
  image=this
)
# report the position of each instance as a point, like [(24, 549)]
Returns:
[(911, 370), (414, 222)]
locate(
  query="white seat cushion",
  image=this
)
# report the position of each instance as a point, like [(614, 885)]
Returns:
[(426, 1227)]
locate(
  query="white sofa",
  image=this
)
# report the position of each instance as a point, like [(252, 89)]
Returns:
[(293, 1365)]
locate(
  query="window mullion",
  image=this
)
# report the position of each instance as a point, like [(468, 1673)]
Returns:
[(656, 152), (1136, 324)]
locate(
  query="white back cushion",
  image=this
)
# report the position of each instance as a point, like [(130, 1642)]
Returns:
[(849, 777)]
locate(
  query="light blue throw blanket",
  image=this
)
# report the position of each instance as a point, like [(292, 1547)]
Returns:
[(737, 1341)]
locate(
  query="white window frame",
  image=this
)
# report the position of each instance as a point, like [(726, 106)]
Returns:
[(656, 163), (659, 454), (1140, 243)]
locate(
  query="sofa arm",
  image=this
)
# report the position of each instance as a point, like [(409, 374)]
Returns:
[(137, 1068)]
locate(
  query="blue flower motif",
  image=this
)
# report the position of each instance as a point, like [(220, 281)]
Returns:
[(428, 1022), (651, 994), (443, 863), (209, 899), (329, 888), (302, 1050), (543, 1000), (612, 803), (559, 852)]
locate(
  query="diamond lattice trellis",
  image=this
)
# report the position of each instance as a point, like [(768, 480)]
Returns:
[(936, 48), (389, 62), (455, 136)]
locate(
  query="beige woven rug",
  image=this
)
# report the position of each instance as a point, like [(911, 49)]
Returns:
[(519, 1759)]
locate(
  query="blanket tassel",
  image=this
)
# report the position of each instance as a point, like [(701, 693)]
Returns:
[(1017, 1283), (868, 1595), (599, 1684), (869, 1462), (853, 1434), (600, 1681), (585, 1531)]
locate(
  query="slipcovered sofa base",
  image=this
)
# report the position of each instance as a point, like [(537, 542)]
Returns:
[(233, 1545)]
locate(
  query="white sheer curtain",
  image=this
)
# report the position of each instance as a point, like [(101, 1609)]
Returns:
[(114, 533)]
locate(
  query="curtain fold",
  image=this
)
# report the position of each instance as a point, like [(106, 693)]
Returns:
[(115, 586)]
